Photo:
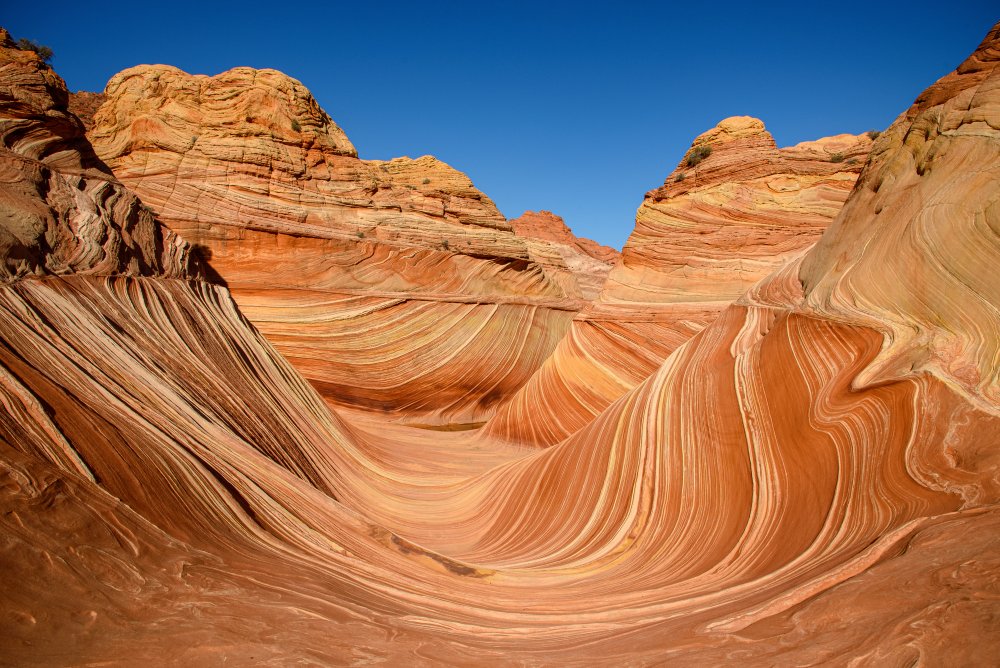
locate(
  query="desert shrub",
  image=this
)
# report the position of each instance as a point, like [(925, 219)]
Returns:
[(426, 181), (873, 134), (295, 126), (360, 234), (680, 177), (445, 245), (837, 157), (697, 154), (44, 52)]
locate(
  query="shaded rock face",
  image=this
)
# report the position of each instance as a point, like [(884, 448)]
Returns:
[(580, 266), (394, 285), (60, 210), (84, 105), (714, 228), (791, 486)]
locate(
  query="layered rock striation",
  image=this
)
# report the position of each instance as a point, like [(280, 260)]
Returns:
[(733, 210), (810, 478), (387, 283), (62, 211), (579, 265)]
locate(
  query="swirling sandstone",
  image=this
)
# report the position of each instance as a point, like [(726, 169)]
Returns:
[(317, 245), (790, 486), (701, 240)]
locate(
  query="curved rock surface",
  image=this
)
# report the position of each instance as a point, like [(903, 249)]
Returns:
[(318, 246), (701, 240), (60, 211), (793, 485)]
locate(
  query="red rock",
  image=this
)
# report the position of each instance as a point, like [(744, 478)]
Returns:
[(580, 266), (809, 479), (387, 284), (84, 105), (699, 243)]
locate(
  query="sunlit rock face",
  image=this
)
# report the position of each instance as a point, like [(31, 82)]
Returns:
[(793, 485), (394, 285), (579, 265), (736, 208)]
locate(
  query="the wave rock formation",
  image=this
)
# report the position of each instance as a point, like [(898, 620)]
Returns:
[(215, 442)]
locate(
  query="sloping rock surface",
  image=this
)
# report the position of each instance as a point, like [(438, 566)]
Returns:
[(811, 478), (388, 284), (701, 240)]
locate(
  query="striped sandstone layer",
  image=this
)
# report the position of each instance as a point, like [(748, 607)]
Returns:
[(700, 242), (582, 264), (793, 485), (388, 284)]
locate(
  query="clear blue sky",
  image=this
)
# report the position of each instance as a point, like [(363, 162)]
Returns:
[(576, 107)]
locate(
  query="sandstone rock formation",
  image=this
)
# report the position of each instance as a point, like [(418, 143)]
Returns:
[(811, 478), (60, 212), (579, 265), (386, 283), (84, 105), (701, 240), (547, 226)]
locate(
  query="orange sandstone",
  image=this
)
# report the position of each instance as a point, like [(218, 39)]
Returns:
[(810, 478)]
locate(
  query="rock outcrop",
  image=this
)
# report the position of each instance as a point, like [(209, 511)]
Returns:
[(547, 226), (84, 105), (716, 227), (60, 211), (811, 478), (579, 265), (387, 283), (738, 213)]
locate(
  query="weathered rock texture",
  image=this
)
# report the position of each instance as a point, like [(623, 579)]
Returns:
[(580, 265), (812, 478), (388, 284), (84, 105), (60, 213), (699, 243)]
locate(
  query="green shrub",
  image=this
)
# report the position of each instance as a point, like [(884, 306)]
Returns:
[(697, 154), (295, 126), (360, 234), (445, 245), (873, 134), (44, 52), (837, 157), (680, 177), (426, 181)]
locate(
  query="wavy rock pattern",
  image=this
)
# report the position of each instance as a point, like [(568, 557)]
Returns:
[(700, 242), (781, 490), (60, 211), (246, 166)]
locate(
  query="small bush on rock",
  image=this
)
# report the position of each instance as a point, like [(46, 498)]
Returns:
[(697, 154), (44, 52)]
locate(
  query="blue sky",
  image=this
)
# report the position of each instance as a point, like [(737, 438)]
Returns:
[(579, 108)]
